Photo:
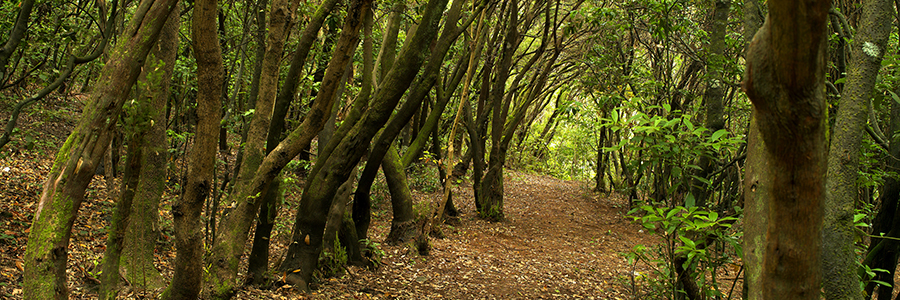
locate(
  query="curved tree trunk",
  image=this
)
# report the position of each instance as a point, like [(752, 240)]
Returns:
[(303, 252), (784, 80), (48, 240), (839, 259)]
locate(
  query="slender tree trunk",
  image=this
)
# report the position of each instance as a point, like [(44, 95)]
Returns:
[(785, 81), (396, 122), (490, 197), (186, 283), (839, 259), (133, 233), (15, 37), (121, 217), (259, 253), (714, 94), (226, 252), (46, 254)]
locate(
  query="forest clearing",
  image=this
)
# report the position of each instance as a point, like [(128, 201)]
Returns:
[(455, 149)]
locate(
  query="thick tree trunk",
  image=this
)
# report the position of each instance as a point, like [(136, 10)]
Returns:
[(189, 271), (46, 254), (403, 227), (307, 233), (839, 259), (785, 81)]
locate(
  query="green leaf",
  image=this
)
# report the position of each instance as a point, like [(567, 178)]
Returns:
[(688, 242), (718, 134), (689, 200), (894, 96)]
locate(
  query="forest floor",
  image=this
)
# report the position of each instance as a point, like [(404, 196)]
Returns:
[(559, 240)]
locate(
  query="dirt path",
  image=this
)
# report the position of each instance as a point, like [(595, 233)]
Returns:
[(559, 242)]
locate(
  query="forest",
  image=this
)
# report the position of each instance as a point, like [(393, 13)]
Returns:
[(423, 149)]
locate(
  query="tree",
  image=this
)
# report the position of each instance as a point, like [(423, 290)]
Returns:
[(308, 229), (839, 260), (45, 258), (187, 281), (785, 82)]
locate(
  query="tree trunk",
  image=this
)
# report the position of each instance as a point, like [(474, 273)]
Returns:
[(713, 96), (142, 232), (839, 259), (307, 232), (490, 196), (136, 262), (121, 217), (46, 254), (15, 37), (189, 271), (259, 253), (396, 122), (403, 227), (785, 82), (226, 252)]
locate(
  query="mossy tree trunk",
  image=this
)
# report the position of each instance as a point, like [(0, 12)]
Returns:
[(63, 192), (403, 223), (398, 121), (839, 259), (137, 258), (132, 236), (189, 272), (784, 80), (308, 230)]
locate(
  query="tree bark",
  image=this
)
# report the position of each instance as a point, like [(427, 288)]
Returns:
[(784, 80), (46, 254), (839, 259), (132, 239), (490, 196), (259, 253), (186, 283)]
